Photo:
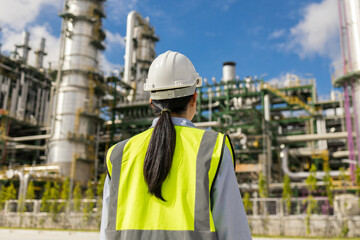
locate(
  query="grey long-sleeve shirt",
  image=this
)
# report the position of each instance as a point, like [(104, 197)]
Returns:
[(227, 207)]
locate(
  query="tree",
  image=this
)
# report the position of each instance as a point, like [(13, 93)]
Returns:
[(287, 193), (100, 185), (99, 194), (311, 185), (263, 188), (311, 182), (45, 204), (11, 192), (77, 197), (247, 202), (64, 195), (89, 196), (2, 196), (30, 192), (328, 186), (357, 181), (7, 193), (54, 196)]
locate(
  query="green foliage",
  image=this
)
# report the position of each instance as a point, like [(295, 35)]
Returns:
[(287, 192), (311, 206), (100, 185), (54, 195), (77, 197), (344, 178), (357, 180), (11, 192), (64, 195), (247, 202), (7, 193), (263, 188), (65, 190), (344, 229), (30, 192), (311, 180), (45, 204), (99, 194), (2, 196), (311, 185), (328, 186), (89, 195)]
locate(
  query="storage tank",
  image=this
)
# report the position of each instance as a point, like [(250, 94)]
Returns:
[(228, 71)]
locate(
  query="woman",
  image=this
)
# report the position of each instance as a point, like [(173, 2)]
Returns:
[(173, 181)]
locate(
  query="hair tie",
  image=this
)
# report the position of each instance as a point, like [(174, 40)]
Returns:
[(165, 110)]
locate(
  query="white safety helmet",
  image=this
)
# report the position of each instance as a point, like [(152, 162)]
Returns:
[(172, 75)]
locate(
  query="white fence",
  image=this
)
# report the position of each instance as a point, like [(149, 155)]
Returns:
[(35, 206), (298, 206)]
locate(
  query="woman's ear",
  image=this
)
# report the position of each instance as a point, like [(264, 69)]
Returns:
[(193, 99)]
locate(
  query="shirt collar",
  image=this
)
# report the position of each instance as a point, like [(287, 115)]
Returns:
[(177, 122)]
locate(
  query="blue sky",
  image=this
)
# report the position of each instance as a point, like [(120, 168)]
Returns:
[(265, 38)]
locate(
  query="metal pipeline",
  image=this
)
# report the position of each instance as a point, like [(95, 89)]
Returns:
[(27, 138), (310, 137), (300, 175)]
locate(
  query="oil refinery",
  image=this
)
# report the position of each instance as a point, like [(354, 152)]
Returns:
[(59, 122)]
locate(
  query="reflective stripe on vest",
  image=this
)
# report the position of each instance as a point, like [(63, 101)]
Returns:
[(186, 214)]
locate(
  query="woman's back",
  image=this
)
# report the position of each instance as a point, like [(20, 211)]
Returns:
[(187, 186)]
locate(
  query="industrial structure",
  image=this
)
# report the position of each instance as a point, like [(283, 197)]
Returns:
[(60, 122)]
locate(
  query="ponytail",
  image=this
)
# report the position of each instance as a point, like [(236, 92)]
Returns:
[(160, 152)]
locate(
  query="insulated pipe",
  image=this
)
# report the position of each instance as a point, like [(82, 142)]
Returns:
[(340, 154), (306, 152), (311, 137), (267, 114), (207, 124), (28, 138), (300, 175), (132, 17)]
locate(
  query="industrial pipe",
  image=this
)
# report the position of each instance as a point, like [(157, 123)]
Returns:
[(306, 152), (301, 175), (207, 124), (311, 137), (27, 138)]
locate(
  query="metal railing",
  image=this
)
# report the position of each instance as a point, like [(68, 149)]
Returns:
[(298, 206), (259, 206), (35, 206)]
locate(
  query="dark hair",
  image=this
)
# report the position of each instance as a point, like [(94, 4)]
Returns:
[(159, 155)]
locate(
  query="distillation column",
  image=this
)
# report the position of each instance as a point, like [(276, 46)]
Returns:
[(77, 106), (349, 11), (139, 54)]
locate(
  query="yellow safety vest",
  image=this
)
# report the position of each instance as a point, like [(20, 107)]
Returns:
[(186, 214)]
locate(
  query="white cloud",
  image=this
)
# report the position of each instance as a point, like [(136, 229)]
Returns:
[(108, 67), (52, 43), (20, 15), (223, 5), (16, 14), (114, 39), (277, 33), (226, 4), (317, 32)]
